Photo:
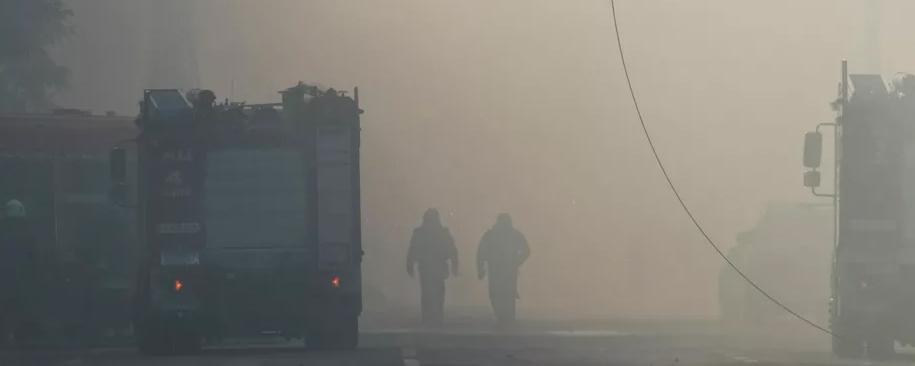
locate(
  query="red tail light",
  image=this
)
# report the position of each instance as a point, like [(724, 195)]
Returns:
[(335, 281)]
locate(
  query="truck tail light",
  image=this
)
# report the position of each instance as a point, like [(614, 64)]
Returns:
[(335, 282)]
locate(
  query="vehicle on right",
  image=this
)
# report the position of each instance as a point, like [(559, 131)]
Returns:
[(872, 306)]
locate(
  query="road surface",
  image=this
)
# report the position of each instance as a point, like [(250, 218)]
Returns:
[(655, 346)]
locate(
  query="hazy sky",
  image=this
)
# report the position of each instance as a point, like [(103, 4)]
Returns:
[(479, 107)]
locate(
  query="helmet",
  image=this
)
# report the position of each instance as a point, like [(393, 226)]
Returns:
[(431, 217), (504, 220), (14, 208)]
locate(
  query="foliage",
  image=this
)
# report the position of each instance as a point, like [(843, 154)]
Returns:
[(28, 74)]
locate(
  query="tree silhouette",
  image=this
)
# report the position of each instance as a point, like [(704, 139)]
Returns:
[(28, 74)]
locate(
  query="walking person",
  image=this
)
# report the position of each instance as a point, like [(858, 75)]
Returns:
[(502, 251), (17, 272), (431, 249)]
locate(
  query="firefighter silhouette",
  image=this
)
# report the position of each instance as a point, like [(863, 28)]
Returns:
[(502, 251), (431, 248), (17, 270)]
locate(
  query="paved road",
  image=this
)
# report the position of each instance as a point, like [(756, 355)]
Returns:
[(283, 355), (612, 347), (458, 347)]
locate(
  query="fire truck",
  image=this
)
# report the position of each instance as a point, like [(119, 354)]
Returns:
[(56, 164), (800, 279), (874, 197), (248, 218)]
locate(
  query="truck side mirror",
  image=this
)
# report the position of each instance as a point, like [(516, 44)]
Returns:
[(117, 160), (813, 150), (812, 179)]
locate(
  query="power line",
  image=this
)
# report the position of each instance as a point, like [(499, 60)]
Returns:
[(676, 192)]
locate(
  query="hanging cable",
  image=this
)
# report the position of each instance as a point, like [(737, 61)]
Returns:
[(676, 192)]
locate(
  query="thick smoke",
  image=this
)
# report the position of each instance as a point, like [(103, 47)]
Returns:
[(479, 107)]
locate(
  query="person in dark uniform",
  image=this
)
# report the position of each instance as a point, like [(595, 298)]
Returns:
[(96, 275), (432, 247), (502, 251), (17, 270)]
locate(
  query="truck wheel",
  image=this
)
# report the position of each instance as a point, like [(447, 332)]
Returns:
[(349, 333), (151, 341), (881, 348), (187, 343), (155, 341), (342, 334), (848, 347), (26, 333)]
